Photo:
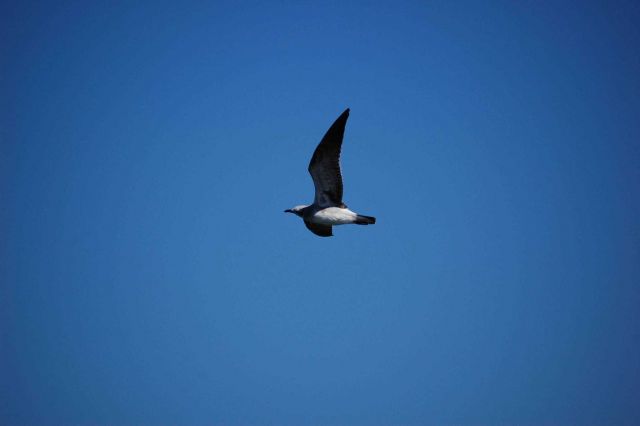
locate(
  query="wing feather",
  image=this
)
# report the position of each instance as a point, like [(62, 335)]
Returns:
[(324, 166), (320, 230)]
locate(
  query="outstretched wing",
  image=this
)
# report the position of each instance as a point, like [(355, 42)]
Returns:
[(325, 165), (320, 230)]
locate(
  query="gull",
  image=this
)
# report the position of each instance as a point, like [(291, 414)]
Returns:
[(328, 209)]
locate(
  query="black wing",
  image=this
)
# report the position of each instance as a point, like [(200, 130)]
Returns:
[(325, 165), (320, 230)]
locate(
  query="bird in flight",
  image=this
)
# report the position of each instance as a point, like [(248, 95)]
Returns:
[(328, 209)]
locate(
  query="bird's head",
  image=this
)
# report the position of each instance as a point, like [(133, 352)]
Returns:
[(297, 210)]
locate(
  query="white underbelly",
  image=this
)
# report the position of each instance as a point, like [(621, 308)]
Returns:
[(334, 216)]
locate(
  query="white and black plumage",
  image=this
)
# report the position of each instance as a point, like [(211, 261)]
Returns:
[(327, 208)]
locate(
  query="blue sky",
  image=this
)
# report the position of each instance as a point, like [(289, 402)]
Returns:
[(150, 276)]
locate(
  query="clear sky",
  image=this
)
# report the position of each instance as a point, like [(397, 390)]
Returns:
[(149, 275)]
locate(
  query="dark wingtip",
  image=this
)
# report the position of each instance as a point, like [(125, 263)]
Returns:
[(344, 115)]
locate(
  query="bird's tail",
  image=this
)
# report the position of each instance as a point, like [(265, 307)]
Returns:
[(365, 220)]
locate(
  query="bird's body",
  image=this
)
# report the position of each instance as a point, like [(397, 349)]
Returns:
[(328, 209), (334, 216)]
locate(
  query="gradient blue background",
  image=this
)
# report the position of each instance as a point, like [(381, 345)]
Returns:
[(150, 276)]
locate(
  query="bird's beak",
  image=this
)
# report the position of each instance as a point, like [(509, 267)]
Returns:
[(288, 211)]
